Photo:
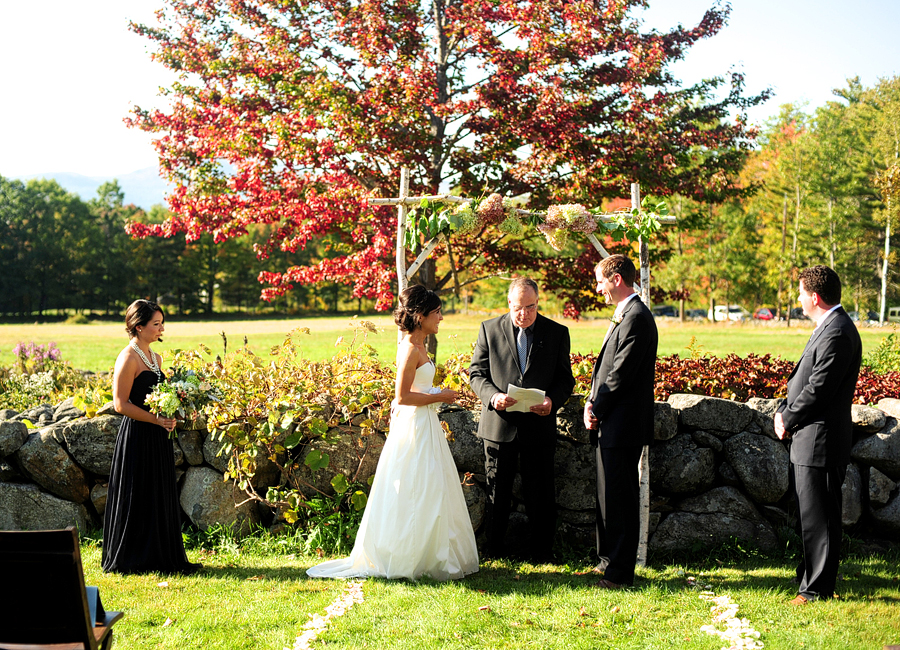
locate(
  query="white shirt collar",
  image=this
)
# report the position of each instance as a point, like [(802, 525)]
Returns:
[(825, 315), (620, 307)]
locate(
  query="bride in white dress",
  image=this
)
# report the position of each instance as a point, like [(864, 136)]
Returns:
[(416, 522)]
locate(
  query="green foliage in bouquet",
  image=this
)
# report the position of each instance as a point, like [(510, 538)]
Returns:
[(187, 389)]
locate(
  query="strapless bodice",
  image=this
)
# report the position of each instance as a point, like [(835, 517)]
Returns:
[(424, 380)]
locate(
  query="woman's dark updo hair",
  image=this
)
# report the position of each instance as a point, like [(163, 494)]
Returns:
[(139, 314), (416, 303)]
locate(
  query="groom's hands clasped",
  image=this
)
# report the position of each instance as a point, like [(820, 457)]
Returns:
[(590, 420)]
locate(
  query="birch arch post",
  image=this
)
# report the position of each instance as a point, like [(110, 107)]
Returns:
[(404, 274)]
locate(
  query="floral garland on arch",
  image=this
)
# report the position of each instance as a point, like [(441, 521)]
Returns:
[(433, 218)]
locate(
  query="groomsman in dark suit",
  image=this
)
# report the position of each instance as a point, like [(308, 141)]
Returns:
[(527, 350), (619, 415), (816, 416)]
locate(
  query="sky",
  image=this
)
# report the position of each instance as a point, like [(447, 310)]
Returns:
[(73, 69)]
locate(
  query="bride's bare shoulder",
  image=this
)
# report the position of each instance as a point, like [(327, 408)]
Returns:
[(406, 350)]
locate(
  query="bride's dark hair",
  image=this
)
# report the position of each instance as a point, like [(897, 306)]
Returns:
[(416, 303)]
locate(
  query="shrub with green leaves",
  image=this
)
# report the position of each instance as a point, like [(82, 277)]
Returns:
[(40, 376), (273, 410), (886, 357)]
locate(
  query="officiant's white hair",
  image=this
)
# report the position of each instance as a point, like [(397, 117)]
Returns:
[(521, 283)]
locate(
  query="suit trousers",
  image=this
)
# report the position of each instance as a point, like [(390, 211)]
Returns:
[(533, 456), (618, 511), (818, 492)]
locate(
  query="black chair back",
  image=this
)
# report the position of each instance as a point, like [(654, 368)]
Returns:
[(45, 580)]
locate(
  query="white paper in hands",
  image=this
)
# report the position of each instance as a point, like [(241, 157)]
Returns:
[(525, 398)]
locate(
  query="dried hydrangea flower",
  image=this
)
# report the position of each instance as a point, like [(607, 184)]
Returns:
[(491, 210)]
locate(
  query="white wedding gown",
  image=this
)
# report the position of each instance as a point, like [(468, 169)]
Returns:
[(416, 522)]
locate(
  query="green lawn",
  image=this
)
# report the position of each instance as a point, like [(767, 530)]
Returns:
[(95, 346), (261, 600)]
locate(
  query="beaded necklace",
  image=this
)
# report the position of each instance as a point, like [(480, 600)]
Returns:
[(153, 366)]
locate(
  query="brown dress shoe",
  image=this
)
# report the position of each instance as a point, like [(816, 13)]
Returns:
[(799, 600)]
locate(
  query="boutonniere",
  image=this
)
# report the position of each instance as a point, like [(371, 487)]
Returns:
[(616, 319)]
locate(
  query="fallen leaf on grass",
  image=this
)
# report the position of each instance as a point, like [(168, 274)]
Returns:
[(484, 608), (481, 591), (169, 621), (256, 578), (162, 584), (582, 611), (615, 609)]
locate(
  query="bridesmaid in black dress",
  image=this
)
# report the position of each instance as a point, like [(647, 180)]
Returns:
[(142, 527)]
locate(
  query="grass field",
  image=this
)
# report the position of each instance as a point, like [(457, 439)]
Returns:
[(261, 601), (95, 346)]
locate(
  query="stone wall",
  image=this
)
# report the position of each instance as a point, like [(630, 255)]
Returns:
[(717, 472)]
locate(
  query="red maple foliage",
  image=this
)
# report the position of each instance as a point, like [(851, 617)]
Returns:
[(294, 113), (730, 377)]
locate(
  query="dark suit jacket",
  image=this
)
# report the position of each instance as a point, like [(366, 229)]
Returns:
[(820, 392), (495, 365), (622, 383)]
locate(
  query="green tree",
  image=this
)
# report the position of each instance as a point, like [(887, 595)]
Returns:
[(112, 256), (45, 230)]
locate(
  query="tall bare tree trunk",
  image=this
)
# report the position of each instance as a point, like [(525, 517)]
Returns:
[(781, 264), (884, 265), (832, 245)]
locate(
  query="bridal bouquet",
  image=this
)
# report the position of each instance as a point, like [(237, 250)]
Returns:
[(183, 394)]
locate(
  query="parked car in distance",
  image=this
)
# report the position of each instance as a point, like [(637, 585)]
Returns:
[(664, 310), (695, 314), (893, 315), (869, 316), (797, 314), (728, 312), (764, 313)]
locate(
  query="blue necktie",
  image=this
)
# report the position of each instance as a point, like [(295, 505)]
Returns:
[(522, 345)]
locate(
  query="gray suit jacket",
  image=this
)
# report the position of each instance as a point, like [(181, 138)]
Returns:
[(820, 393), (622, 383), (495, 365)]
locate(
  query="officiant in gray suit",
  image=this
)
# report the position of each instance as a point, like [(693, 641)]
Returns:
[(525, 349)]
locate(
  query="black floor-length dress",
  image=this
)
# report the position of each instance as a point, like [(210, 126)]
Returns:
[(142, 526)]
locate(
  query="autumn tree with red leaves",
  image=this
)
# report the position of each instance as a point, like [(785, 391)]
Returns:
[(293, 113)]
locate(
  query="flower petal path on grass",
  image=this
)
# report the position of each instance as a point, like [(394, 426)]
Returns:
[(352, 594), (738, 632)]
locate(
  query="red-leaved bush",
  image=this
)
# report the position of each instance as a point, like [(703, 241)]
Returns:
[(730, 377)]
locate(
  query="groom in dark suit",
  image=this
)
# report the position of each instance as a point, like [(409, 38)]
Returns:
[(619, 415), (816, 415), (527, 350)]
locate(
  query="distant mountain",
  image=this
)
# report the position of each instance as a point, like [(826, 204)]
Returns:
[(144, 188)]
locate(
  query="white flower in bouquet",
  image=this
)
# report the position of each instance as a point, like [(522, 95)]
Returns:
[(164, 402), (183, 395)]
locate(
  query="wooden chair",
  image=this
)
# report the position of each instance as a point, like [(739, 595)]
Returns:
[(46, 605)]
